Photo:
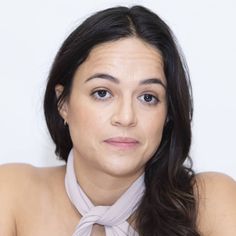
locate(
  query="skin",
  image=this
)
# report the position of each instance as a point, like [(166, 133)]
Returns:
[(100, 112)]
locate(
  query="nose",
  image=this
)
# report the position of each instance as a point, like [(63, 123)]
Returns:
[(124, 114)]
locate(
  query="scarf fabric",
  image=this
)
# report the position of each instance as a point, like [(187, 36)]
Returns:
[(114, 217)]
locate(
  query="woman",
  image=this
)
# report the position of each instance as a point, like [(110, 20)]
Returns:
[(118, 107)]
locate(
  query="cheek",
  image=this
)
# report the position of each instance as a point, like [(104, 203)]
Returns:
[(153, 124), (85, 122), (154, 141), (153, 130), (155, 136)]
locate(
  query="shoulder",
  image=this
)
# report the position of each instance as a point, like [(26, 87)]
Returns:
[(217, 204), (13, 181), (16, 170), (20, 184), (14, 178), (19, 175)]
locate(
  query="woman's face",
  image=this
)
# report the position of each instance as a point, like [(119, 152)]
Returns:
[(117, 107)]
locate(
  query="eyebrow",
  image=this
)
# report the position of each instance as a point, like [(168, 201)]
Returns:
[(153, 81), (103, 76), (116, 81)]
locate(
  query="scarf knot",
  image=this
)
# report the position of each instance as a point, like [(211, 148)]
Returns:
[(114, 217)]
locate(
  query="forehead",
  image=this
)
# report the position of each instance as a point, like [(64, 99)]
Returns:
[(128, 55), (126, 49)]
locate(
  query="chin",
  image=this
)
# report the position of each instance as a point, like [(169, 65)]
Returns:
[(122, 170)]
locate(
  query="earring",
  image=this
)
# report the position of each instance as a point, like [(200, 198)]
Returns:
[(65, 122)]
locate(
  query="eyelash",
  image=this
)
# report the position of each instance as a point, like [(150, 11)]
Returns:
[(153, 102)]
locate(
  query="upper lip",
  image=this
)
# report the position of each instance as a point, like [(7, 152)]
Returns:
[(122, 140)]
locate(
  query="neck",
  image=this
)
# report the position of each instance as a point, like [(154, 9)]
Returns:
[(101, 188)]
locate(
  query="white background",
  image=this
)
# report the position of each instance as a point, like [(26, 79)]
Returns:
[(32, 31)]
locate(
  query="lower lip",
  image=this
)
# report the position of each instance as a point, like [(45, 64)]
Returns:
[(122, 145)]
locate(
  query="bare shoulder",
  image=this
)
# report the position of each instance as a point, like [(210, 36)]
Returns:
[(19, 183), (17, 176), (13, 178), (12, 171), (217, 204), (24, 174)]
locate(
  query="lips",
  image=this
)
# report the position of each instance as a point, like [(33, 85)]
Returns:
[(122, 142)]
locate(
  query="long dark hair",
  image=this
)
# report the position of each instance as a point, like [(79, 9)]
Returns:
[(169, 206)]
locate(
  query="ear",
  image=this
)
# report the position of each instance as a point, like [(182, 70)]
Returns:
[(62, 106)]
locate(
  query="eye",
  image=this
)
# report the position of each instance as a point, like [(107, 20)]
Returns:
[(101, 94), (149, 99)]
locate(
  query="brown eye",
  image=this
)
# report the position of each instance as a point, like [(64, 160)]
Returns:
[(149, 99), (101, 94)]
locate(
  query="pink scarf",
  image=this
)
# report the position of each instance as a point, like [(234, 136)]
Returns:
[(114, 217)]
